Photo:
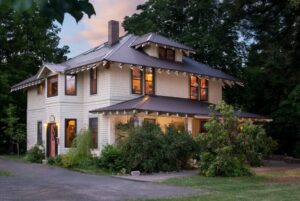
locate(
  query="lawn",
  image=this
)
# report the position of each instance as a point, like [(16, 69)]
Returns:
[(270, 186)]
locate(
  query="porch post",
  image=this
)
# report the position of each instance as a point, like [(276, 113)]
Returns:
[(111, 130), (189, 124)]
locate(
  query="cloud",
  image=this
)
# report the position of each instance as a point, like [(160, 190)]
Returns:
[(95, 31)]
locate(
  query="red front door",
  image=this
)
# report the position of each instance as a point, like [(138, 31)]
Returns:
[(51, 140)]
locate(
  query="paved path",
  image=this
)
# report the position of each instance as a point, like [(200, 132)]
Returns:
[(35, 182), (156, 177)]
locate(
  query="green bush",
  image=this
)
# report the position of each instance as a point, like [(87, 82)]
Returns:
[(228, 148), (36, 154), (57, 160), (111, 159), (148, 149), (80, 151)]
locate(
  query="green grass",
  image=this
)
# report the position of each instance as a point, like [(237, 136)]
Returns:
[(14, 157), (263, 187)]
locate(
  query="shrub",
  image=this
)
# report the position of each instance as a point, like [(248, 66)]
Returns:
[(111, 159), (228, 147), (57, 160), (36, 154), (80, 151), (179, 148)]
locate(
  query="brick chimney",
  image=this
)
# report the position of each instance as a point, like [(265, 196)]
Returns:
[(113, 32)]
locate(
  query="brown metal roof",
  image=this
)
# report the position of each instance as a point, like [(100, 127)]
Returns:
[(172, 105)]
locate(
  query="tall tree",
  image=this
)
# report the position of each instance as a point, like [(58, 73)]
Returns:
[(27, 39)]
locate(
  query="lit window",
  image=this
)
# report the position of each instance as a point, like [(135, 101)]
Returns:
[(93, 126), (136, 75), (203, 89), (40, 88), (70, 83), (70, 132), (93, 81), (52, 86), (149, 81), (193, 88)]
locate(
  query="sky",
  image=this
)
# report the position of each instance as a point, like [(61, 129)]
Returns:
[(90, 32)]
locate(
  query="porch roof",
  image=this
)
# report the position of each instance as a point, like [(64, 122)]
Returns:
[(170, 105)]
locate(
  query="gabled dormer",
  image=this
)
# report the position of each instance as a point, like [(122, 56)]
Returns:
[(161, 47)]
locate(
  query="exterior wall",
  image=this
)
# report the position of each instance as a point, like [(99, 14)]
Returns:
[(172, 85), (151, 50), (214, 91)]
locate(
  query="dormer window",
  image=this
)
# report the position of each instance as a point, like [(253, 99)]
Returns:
[(166, 53), (198, 88)]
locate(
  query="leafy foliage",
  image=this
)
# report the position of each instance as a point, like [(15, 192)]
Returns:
[(112, 159), (80, 151), (54, 9), (148, 149), (36, 154), (57, 160), (228, 147)]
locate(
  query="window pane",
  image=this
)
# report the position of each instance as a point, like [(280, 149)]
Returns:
[(93, 126), (170, 55), (136, 81), (149, 81), (193, 88), (70, 84), (70, 132), (39, 132), (93, 81), (40, 88), (52, 83), (194, 93), (203, 83), (204, 94), (162, 53)]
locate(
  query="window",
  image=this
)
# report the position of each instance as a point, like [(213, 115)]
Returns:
[(193, 88), (93, 81), (149, 81), (165, 53), (153, 121), (93, 126), (203, 89), (39, 132), (136, 83), (70, 85), (70, 131), (198, 88), (52, 86), (40, 88)]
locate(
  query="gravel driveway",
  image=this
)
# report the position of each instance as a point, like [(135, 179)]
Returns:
[(35, 182)]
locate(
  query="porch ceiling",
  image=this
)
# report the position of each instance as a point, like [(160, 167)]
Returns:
[(168, 105)]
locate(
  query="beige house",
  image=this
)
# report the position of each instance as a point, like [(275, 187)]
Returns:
[(129, 78)]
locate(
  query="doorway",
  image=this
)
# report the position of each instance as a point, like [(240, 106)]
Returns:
[(51, 140)]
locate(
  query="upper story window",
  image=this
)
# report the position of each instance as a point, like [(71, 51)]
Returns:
[(70, 131), (149, 81), (165, 53), (93, 81), (40, 88), (198, 88), (70, 85), (52, 86), (136, 81)]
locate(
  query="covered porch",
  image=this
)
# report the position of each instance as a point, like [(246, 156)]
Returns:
[(186, 114)]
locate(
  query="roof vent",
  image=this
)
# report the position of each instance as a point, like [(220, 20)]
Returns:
[(113, 32)]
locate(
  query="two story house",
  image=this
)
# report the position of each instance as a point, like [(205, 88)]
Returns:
[(129, 78)]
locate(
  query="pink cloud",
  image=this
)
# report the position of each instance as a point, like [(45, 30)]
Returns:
[(96, 28)]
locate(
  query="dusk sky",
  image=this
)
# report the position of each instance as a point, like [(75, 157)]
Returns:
[(91, 32)]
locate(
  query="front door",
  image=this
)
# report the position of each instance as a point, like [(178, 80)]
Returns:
[(51, 140)]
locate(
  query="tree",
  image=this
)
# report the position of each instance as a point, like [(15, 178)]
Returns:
[(27, 40), (53, 9), (229, 147), (13, 128)]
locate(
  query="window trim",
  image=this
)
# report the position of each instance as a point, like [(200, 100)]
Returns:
[(153, 81), (39, 123), (91, 81), (75, 94), (66, 120), (142, 82), (199, 89), (48, 81)]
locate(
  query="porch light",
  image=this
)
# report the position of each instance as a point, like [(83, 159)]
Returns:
[(176, 73), (121, 65), (184, 74), (45, 125)]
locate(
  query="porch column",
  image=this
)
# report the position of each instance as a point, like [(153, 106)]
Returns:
[(189, 121), (111, 130)]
